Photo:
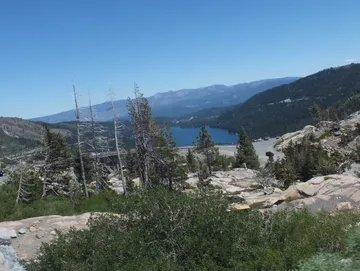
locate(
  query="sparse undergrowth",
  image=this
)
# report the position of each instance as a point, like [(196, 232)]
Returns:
[(173, 231), (52, 205)]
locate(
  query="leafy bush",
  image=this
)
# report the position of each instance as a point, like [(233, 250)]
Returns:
[(161, 230), (349, 261)]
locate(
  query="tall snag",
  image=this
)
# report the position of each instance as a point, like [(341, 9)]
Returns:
[(82, 168), (117, 142), (97, 144)]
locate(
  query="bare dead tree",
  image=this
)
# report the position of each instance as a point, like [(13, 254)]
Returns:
[(78, 120), (97, 144), (117, 142), (24, 188), (46, 151)]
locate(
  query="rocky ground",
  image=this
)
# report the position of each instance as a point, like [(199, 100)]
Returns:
[(22, 239)]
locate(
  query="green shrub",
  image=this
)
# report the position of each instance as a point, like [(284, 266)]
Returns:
[(348, 261), (161, 230)]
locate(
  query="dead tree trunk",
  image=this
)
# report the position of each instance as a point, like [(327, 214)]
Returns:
[(94, 144), (116, 128), (47, 157), (20, 188), (82, 168)]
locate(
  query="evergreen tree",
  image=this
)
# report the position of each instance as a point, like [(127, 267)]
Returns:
[(131, 165), (190, 160), (270, 164), (141, 120), (157, 158), (171, 170), (56, 155), (333, 115), (318, 113), (59, 157), (206, 146), (304, 161), (245, 152)]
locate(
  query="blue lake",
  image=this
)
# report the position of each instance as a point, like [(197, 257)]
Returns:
[(186, 136)]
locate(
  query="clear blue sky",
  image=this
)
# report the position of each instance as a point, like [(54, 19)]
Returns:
[(163, 45)]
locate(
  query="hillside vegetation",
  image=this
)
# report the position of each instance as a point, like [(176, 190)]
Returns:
[(17, 135), (288, 107)]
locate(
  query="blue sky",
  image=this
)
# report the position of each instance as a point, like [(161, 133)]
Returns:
[(162, 45)]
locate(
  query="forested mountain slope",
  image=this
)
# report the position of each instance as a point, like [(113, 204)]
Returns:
[(288, 107)]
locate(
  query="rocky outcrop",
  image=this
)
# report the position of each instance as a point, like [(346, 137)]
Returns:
[(243, 186), (245, 189), (328, 193), (334, 137), (309, 131)]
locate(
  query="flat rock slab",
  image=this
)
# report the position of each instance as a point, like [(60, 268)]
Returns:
[(39, 230), (329, 193)]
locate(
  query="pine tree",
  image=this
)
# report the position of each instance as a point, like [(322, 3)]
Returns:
[(317, 113), (245, 152), (304, 161), (206, 146), (190, 160), (170, 170), (270, 164), (140, 115), (333, 115), (156, 153), (56, 155)]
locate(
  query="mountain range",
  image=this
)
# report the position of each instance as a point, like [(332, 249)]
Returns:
[(178, 103)]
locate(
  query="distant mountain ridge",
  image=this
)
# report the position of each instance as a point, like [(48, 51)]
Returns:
[(288, 107), (182, 102)]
